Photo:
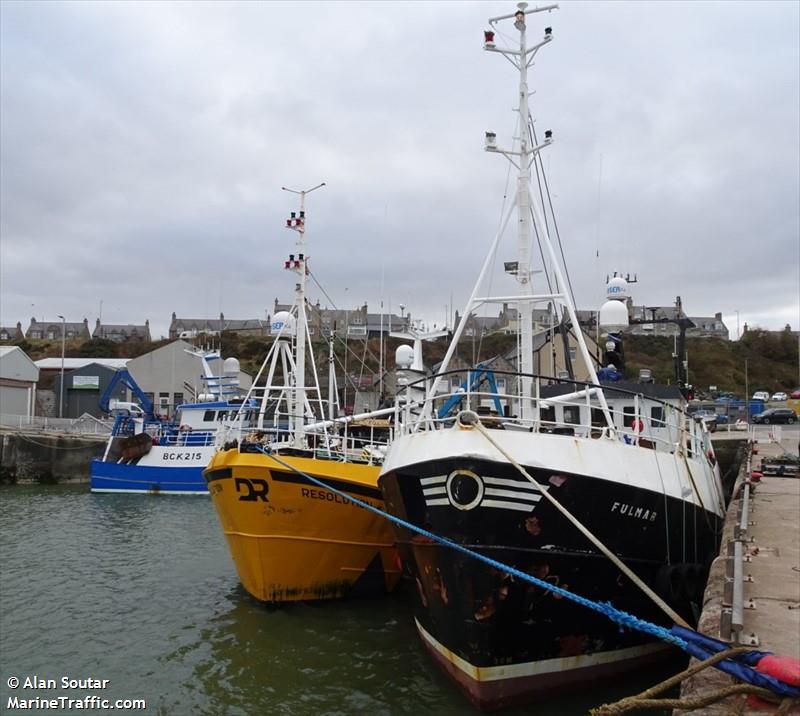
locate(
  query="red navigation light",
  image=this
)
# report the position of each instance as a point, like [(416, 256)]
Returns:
[(286, 264), (288, 223), (488, 37)]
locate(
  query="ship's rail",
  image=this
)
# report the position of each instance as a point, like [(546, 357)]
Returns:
[(363, 441), (559, 407), (84, 425)]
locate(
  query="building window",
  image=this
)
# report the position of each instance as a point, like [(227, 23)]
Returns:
[(178, 399)]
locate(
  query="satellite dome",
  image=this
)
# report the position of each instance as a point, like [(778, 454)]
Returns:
[(404, 356), (230, 366), (613, 315), (617, 288), (283, 324)]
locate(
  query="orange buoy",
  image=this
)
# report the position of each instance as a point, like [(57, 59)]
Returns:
[(784, 668)]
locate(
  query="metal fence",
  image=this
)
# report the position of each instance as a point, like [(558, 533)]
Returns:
[(84, 425)]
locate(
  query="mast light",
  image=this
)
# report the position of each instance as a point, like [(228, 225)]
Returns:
[(548, 32), (548, 135), (519, 19), (491, 140)]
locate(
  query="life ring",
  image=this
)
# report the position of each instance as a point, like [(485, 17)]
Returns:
[(638, 426)]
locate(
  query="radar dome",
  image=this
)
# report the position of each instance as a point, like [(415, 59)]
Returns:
[(230, 366), (283, 324), (404, 356), (613, 315), (617, 288)]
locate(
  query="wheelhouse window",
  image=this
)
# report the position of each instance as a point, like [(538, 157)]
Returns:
[(572, 414), (628, 414), (657, 416)]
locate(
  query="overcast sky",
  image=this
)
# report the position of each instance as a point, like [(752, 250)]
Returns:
[(144, 147)]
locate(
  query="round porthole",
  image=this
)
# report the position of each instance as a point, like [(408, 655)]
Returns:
[(464, 489)]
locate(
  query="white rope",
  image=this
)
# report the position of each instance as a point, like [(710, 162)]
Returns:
[(671, 613)]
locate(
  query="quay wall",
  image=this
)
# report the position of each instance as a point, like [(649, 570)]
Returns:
[(773, 553), (35, 457)]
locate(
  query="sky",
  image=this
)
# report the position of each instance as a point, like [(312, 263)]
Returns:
[(143, 147)]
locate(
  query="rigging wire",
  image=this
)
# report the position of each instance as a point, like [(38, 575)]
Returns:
[(555, 222), (476, 358)]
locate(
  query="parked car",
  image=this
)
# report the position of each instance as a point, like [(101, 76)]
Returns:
[(761, 395), (795, 395), (779, 396), (722, 419), (775, 415), (708, 417)]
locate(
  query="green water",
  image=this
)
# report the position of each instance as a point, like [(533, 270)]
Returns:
[(141, 591)]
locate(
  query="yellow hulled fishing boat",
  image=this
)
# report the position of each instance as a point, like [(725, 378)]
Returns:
[(291, 537), (294, 540)]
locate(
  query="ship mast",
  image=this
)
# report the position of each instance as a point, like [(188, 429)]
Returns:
[(530, 215), (298, 265)]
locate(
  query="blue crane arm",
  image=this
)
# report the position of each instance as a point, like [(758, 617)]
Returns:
[(475, 379), (124, 377)]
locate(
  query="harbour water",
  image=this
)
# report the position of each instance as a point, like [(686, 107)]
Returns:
[(141, 591)]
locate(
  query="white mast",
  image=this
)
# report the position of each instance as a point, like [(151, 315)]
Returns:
[(298, 265), (524, 211), (529, 214)]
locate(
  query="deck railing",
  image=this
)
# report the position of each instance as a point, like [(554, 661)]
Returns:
[(576, 411), (84, 425)]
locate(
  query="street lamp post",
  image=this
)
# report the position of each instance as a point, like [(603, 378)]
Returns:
[(63, 341)]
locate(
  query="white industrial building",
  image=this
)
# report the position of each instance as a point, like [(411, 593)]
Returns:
[(18, 378)]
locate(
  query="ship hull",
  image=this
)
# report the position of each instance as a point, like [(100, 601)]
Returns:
[(292, 540), (505, 640), (165, 470)]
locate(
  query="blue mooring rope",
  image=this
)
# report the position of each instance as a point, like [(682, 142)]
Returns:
[(691, 642)]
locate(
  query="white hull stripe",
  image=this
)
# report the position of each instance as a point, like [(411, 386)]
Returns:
[(510, 493), (503, 505), (525, 485), (535, 668), (434, 491), (519, 484), (148, 492)]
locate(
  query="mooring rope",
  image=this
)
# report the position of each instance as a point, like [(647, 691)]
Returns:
[(646, 699), (686, 639), (607, 609), (627, 571)]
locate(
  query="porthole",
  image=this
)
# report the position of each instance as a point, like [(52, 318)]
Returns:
[(464, 489)]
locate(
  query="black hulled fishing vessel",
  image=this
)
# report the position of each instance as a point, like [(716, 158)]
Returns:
[(488, 468)]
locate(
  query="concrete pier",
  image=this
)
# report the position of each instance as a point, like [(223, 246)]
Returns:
[(37, 457), (771, 570)]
